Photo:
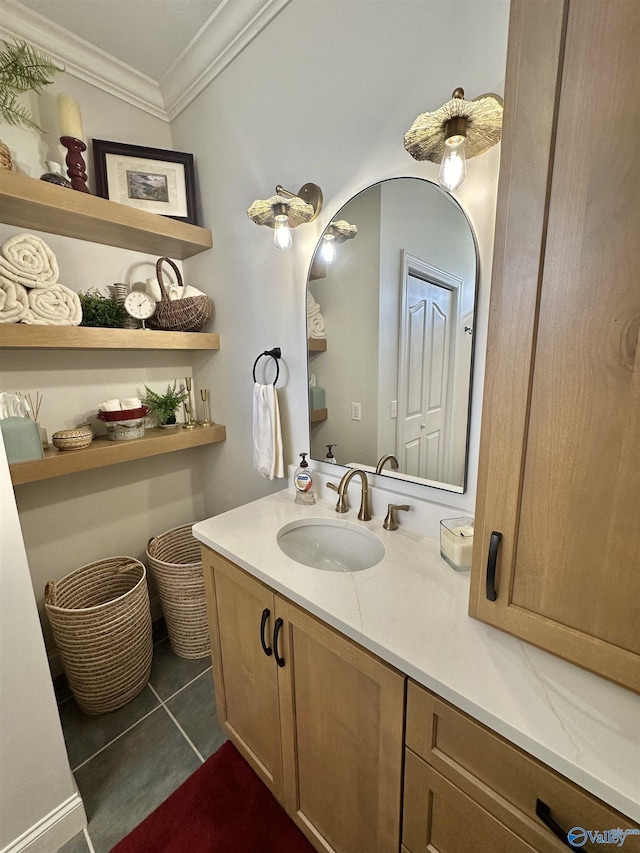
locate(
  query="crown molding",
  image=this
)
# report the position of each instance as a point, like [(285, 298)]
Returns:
[(224, 36), (230, 29)]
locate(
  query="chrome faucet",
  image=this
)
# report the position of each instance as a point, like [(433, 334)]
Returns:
[(343, 505), (383, 461)]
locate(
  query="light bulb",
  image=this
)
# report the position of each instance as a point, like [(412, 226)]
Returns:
[(454, 163), (328, 249), (282, 232)]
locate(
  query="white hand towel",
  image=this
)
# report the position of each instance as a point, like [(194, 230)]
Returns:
[(14, 302), (27, 259), (130, 403), (188, 291), (110, 406), (267, 437)]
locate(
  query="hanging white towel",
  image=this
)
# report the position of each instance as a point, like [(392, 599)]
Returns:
[(267, 437)]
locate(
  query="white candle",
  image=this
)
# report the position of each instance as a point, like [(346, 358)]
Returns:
[(456, 544), (69, 117)]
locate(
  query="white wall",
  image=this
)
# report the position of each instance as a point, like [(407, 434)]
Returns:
[(37, 791), (324, 94)]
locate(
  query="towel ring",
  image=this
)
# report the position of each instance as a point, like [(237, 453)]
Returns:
[(275, 354)]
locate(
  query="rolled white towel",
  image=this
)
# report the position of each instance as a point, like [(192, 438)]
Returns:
[(315, 327), (28, 260), (312, 305), (14, 301), (109, 406), (55, 305)]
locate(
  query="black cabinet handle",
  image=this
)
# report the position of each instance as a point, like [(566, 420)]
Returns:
[(494, 544), (276, 634), (544, 813), (265, 648)]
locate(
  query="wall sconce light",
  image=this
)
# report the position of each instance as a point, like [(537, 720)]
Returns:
[(287, 210), (458, 130), (336, 232)]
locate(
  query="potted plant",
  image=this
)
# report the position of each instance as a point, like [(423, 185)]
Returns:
[(99, 310), (22, 69), (164, 406)]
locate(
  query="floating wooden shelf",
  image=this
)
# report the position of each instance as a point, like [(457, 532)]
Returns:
[(102, 452), (41, 206), (22, 335), (317, 344), (317, 415)]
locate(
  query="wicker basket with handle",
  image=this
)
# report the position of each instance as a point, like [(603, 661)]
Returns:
[(190, 314), (175, 562), (101, 623)]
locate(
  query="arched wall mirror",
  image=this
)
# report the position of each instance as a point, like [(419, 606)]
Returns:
[(398, 309)]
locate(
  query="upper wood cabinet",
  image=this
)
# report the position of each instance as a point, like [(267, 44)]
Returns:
[(560, 446)]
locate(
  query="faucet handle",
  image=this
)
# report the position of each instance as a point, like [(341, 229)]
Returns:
[(390, 522), (342, 505)]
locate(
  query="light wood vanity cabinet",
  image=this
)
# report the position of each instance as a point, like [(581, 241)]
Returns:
[(466, 788), (560, 444), (324, 729)]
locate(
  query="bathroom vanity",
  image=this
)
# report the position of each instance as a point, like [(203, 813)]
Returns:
[(318, 673)]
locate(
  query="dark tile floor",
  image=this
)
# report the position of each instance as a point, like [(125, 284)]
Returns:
[(127, 762)]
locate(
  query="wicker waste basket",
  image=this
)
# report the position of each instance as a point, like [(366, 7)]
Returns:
[(175, 563), (101, 623)]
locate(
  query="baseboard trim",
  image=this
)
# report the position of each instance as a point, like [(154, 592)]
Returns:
[(53, 830)]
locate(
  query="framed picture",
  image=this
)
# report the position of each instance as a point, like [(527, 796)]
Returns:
[(146, 178)]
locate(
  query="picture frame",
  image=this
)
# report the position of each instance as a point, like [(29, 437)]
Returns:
[(150, 179)]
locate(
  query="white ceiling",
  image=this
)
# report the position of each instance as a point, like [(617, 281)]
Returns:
[(155, 54), (148, 35)]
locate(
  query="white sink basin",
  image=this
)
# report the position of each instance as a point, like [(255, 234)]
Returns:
[(330, 544)]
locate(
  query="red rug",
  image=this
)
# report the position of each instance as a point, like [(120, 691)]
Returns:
[(222, 808)]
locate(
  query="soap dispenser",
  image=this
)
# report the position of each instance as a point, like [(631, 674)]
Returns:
[(303, 482), (330, 457)]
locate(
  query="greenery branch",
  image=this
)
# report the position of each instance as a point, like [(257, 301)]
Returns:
[(164, 406), (99, 310), (23, 68)]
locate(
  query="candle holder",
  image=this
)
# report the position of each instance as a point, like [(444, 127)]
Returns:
[(206, 416), (190, 421), (76, 168), (456, 542)]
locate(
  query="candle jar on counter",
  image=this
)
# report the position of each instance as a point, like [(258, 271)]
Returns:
[(456, 542)]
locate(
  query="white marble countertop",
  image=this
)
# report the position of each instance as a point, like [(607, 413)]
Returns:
[(411, 610)]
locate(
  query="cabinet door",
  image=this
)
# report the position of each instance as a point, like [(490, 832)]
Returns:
[(245, 677), (342, 726), (439, 818), (560, 447)]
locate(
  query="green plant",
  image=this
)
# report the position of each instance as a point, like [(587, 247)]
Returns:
[(100, 310), (22, 69), (164, 406)]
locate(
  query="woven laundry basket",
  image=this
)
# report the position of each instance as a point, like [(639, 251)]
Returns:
[(175, 563), (101, 623)]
